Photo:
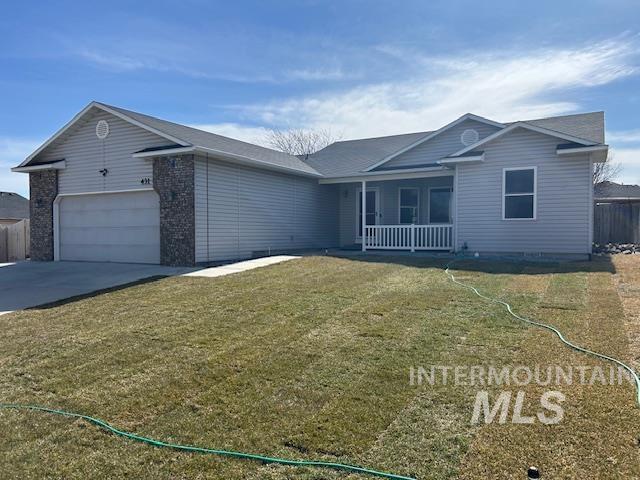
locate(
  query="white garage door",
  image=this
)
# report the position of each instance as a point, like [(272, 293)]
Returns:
[(113, 227)]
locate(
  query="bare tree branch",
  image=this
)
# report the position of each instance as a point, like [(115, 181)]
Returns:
[(300, 142), (606, 171)]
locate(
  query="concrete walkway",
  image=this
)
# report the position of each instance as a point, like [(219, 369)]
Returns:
[(240, 266)]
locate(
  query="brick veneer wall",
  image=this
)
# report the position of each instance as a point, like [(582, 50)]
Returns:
[(43, 188), (173, 179)]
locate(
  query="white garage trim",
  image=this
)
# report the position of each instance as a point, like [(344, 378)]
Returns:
[(56, 213)]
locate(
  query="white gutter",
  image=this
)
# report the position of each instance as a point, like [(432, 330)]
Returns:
[(468, 159), (574, 150), (391, 175), (167, 151)]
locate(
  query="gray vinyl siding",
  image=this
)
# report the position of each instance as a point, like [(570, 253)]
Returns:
[(441, 145), (388, 203), (200, 205), (86, 154), (563, 206), (242, 210)]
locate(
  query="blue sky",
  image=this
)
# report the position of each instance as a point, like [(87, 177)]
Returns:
[(360, 68)]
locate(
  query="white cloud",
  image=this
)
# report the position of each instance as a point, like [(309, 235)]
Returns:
[(115, 62), (124, 63), (629, 159), (316, 74), (12, 152), (626, 136), (505, 86)]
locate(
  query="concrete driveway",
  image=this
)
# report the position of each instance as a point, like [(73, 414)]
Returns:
[(28, 284)]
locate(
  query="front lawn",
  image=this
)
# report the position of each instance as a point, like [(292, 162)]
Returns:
[(310, 359)]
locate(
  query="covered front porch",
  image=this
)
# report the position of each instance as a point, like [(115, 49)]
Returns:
[(412, 212)]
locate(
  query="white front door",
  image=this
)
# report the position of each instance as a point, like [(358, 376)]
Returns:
[(373, 209)]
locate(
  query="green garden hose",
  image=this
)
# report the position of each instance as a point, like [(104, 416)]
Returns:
[(631, 371), (313, 463), (228, 453)]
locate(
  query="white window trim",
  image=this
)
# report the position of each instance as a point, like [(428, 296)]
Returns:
[(450, 222), (378, 209), (417, 189), (535, 193)]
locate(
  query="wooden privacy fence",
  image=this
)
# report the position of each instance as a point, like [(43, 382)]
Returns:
[(616, 222), (14, 241)]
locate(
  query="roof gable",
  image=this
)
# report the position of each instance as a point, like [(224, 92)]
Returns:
[(438, 147), (527, 126), (78, 119), (463, 118)]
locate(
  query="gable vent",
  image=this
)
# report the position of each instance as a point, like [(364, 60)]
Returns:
[(469, 137), (102, 129)]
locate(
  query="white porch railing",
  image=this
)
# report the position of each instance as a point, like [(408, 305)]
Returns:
[(409, 237)]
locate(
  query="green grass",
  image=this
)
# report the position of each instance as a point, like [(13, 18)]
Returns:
[(310, 359)]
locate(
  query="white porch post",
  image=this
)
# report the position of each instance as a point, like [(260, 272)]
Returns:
[(454, 247), (413, 237), (364, 215)]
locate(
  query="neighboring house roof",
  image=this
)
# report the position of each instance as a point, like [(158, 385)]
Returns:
[(192, 139), (13, 206), (616, 191)]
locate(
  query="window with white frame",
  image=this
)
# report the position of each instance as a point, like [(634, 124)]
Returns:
[(409, 201), (440, 204), (519, 193)]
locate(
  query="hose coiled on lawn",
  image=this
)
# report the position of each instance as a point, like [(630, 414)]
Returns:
[(553, 329)]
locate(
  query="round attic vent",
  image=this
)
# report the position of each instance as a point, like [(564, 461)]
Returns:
[(102, 129), (469, 137)]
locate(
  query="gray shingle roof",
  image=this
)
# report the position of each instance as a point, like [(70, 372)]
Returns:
[(13, 205), (353, 156), (344, 158), (604, 190), (588, 126), (200, 138), (350, 157)]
